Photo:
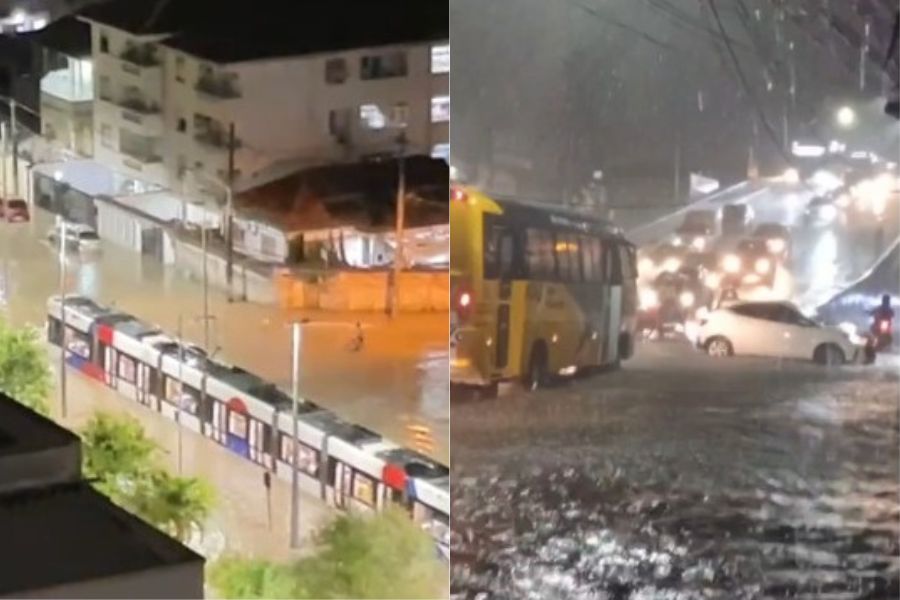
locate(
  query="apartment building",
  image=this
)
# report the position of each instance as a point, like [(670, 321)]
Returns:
[(326, 82)]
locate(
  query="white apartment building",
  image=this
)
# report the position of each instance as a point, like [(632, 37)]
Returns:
[(164, 104)]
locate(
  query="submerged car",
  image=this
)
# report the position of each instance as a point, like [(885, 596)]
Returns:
[(777, 238), (774, 329), (78, 237), (14, 210)]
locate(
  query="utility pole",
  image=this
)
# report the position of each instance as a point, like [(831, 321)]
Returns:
[(62, 312), (863, 51), (203, 243), (15, 149), (398, 250), (295, 395), (229, 218), (180, 387)]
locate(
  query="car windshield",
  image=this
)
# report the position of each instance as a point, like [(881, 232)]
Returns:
[(88, 235), (770, 231), (19, 204)]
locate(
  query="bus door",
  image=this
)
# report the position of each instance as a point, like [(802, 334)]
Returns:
[(505, 259), (615, 255)]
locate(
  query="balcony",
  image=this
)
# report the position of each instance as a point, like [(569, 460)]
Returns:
[(141, 56), (215, 138), (218, 87), (141, 155)]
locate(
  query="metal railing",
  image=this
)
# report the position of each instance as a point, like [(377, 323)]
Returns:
[(218, 87)]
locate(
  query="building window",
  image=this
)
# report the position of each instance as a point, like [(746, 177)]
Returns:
[(107, 136), (440, 59), (179, 69), (126, 370), (105, 88), (383, 66), (182, 124), (441, 151), (440, 109), (400, 114), (104, 43), (371, 116), (335, 70), (78, 343)]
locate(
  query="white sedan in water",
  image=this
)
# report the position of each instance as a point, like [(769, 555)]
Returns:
[(775, 329)]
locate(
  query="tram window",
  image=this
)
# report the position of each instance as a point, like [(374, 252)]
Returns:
[(307, 458), (266, 437), (78, 343), (364, 488), (206, 408), (126, 369), (237, 424), (332, 470), (54, 331), (152, 381)]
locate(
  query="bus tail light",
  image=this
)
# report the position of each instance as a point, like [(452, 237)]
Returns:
[(464, 303), (458, 195)]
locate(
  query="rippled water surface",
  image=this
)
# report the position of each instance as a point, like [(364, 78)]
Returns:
[(682, 478)]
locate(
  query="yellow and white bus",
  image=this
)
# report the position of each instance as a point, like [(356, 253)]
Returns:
[(536, 292)]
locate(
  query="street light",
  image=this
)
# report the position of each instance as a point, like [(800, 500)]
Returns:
[(295, 397), (394, 282), (846, 116), (62, 311)]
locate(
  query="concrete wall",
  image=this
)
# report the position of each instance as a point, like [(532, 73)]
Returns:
[(366, 292)]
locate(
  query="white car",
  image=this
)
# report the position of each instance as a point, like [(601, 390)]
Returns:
[(776, 329), (79, 237)]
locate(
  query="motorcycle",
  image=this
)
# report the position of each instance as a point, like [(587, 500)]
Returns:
[(880, 337)]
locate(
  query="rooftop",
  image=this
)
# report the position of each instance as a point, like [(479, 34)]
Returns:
[(71, 533), (361, 194), (237, 32), (68, 35), (23, 430)]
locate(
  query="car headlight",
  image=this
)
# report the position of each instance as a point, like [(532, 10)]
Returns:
[(731, 263), (677, 241), (649, 299), (671, 264), (712, 280), (645, 265), (686, 299), (762, 265), (698, 243), (828, 212), (776, 245)]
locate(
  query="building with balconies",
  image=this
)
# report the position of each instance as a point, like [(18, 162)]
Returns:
[(174, 79)]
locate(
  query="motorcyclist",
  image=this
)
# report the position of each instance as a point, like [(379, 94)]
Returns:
[(884, 312)]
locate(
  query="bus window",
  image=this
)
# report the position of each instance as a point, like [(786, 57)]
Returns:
[(590, 267), (540, 255), (564, 260), (499, 252)]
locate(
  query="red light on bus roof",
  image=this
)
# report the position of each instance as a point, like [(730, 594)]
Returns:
[(465, 299), (458, 195)]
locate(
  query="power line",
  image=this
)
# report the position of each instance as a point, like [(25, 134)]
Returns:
[(745, 84), (630, 28)]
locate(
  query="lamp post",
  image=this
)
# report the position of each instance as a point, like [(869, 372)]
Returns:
[(62, 311), (228, 227), (296, 333), (399, 226)]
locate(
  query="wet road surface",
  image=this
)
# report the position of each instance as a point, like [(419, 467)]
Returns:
[(682, 477), (399, 379)]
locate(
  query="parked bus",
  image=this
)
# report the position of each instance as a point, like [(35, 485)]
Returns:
[(536, 291)]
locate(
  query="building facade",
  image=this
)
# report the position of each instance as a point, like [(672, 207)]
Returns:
[(164, 104)]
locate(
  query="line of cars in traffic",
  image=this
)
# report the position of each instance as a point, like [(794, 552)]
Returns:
[(709, 259)]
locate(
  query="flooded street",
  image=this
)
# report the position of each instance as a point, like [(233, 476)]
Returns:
[(397, 382), (682, 477)]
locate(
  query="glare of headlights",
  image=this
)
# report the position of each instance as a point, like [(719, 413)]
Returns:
[(671, 264), (645, 265), (713, 280), (649, 298), (762, 266), (792, 176), (828, 212), (731, 263), (843, 201), (686, 299), (698, 243), (677, 241), (775, 245)]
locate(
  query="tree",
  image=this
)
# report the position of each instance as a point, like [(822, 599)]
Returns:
[(173, 504), (122, 461), (117, 454), (378, 556), (24, 372)]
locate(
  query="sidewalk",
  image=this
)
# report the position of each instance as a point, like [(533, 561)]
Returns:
[(239, 522)]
